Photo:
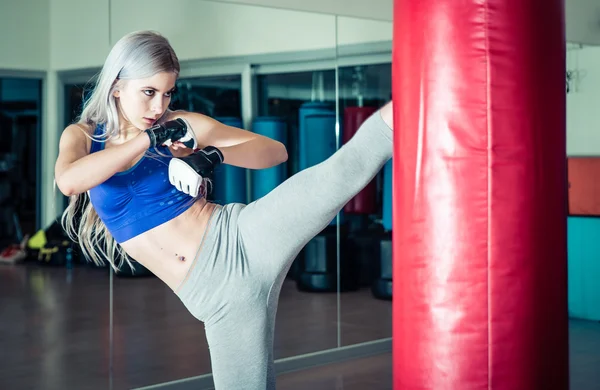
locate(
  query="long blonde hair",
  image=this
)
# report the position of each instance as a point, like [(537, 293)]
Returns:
[(137, 55)]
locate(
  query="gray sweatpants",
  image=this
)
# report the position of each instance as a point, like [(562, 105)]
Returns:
[(234, 283)]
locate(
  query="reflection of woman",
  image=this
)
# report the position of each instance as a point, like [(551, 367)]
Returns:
[(226, 263)]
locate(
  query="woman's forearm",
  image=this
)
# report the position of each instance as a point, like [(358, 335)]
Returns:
[(258, 153), (94, 169)]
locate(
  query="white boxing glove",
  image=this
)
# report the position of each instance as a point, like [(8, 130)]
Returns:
[(187, 173)]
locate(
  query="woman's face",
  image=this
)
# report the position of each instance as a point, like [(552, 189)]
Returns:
[(143, 101)]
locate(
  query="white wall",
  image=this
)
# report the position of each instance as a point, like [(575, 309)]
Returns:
[(24, 28), (582, 21), (205, 29), (355, 30), (78, 33), (583, 102), (581, 16), (371, 9), (197, 29), (201, 29)]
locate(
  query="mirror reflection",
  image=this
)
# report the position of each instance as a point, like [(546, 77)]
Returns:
[(365, 249), (286, 103), (301, 106), (366, 239), (55, 308)]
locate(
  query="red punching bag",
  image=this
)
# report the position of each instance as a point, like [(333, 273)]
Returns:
[(365, 201), (479, 216)]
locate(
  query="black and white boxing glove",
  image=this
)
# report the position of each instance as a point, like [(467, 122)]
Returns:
[(175, 130), (186, 173)]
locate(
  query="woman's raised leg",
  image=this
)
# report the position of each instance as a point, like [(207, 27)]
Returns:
[(276, 227)]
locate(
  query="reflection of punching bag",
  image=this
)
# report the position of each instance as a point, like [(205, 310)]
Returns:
[(387, 195), (365, 201), (265, 180), (317, 133), (230, 181)]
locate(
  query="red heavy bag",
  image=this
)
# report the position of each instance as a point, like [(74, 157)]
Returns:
[(480, 294), (365, 202)]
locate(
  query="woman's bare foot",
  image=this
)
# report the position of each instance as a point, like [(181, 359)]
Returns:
[(387, 114)]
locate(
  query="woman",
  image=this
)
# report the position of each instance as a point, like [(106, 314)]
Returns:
[(225, 263)]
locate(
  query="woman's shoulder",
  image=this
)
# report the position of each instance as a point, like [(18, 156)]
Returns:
[(80, 132), (85, 129)]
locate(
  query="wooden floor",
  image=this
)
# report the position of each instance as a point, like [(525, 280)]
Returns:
[(372, 373), (376, 372), (54, 334), (55, 328)]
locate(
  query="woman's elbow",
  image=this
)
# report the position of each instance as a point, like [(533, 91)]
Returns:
[(282, 155), (64, 189)]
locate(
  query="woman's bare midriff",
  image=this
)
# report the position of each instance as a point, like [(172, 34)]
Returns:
[(168, 250)]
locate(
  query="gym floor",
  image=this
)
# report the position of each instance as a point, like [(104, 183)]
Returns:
[(54, 334)]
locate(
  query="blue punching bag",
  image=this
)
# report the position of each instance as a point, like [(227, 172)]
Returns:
[(317, 133), (265, 180), (387, 196), (230, 181)]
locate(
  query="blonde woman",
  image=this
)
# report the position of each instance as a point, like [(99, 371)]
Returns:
[(144, 170)]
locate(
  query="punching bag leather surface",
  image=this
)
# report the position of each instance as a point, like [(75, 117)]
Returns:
[(479, 218), (365, 202)]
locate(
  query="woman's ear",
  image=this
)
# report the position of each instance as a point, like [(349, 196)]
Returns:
[(117, 84)]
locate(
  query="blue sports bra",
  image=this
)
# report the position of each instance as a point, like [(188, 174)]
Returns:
[(140, 198)]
